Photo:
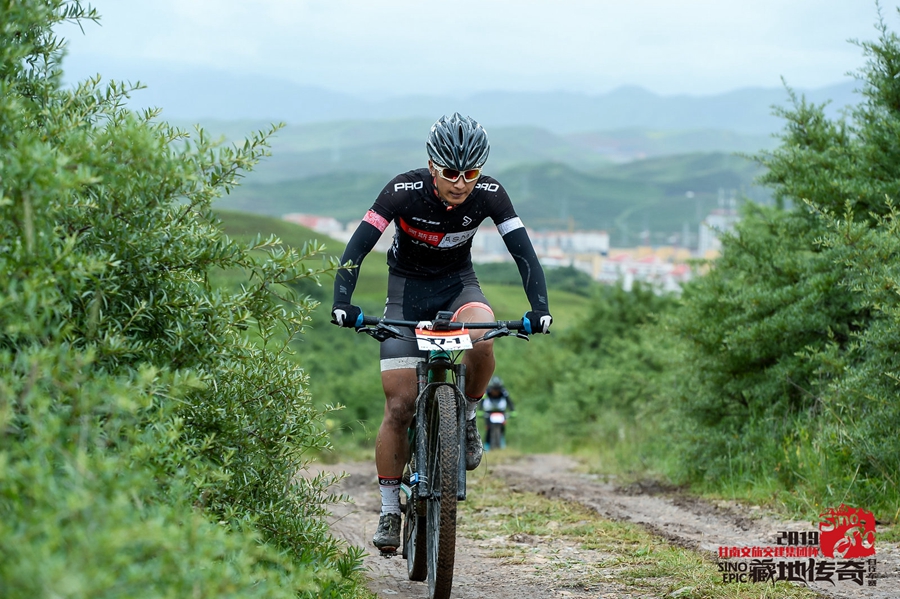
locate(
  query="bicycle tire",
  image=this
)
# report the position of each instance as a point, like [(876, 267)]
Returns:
[(495, 436), (443, 472), (415, 544)]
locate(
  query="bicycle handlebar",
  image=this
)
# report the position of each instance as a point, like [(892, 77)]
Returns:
[(446, 325)]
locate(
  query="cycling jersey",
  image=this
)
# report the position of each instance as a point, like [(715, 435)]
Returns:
[(433, 239)]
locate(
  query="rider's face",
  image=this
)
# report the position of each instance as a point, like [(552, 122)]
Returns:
[(452, 192)]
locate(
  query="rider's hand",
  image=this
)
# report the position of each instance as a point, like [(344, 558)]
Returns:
[(537, 322), (346, 315)]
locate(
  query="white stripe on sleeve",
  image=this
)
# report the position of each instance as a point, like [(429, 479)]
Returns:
[(510, 225)]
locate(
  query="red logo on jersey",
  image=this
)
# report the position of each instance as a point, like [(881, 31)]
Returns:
[(438, 240), (428, 237)]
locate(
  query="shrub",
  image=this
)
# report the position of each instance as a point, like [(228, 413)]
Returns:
[(148, 446)]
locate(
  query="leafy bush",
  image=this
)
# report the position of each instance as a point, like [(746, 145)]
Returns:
[(148, 446)]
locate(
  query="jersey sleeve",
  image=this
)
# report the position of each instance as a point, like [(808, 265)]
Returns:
[(366, 236), (512, 230), (361, 243)]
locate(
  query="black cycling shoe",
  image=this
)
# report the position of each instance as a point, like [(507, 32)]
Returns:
[(474, 448), (387, 537)]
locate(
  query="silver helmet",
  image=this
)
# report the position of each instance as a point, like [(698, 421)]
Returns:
[(458, 142)]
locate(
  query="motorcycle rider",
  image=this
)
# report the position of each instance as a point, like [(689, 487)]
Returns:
[(437, 211), (496, 399)]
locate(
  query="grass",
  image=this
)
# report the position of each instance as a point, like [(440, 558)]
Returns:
[(576, 548)]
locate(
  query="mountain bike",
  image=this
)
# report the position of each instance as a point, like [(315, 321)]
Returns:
[(434, 479)]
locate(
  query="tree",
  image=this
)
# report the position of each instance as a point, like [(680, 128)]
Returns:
[(791, 355)]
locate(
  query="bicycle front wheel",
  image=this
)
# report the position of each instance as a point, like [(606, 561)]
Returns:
[(495, 436), (443, 474)]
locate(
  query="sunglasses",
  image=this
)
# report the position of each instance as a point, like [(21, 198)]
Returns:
[(453, 175)]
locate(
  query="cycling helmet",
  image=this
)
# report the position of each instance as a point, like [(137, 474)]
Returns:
[(496, 383), (458, 142)]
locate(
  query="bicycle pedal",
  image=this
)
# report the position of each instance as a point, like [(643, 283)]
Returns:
[(388, 552)]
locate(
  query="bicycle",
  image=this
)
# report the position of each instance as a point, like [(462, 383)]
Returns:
[(435, 477)]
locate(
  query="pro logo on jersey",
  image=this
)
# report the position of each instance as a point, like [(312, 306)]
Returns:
[(487, 186), (407, 186)]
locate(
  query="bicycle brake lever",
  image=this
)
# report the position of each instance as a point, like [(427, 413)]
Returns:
[(521, 335), (381, 333), (503, 332)]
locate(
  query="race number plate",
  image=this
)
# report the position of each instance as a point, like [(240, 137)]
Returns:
[(449, 340), (497, 417)]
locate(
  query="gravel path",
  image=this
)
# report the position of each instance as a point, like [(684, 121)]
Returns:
[(682, 520)]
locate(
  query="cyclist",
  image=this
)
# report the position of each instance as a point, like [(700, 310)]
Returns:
[(436, 212), (496, 399)]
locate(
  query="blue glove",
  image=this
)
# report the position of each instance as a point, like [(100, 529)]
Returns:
[(346, 315), (537, 322)]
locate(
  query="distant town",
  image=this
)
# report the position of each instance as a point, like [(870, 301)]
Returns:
[(664, 267)]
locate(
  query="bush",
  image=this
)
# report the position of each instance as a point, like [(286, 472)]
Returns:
[(148, 446)]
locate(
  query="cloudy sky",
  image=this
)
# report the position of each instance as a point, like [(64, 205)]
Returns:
[(398, 47)]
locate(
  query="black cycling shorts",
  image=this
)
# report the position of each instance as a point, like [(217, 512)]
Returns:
[(417, 299)]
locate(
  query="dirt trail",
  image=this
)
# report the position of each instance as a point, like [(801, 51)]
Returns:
[(682, 520)]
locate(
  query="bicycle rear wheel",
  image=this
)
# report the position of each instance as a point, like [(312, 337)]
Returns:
[(443, 474)]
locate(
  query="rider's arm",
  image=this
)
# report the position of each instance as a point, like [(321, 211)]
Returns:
[(361, 243), (511, 228), (520, 248), (510, 406)]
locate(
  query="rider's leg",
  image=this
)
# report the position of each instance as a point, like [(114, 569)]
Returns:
[(479, 363), (391, 449), (479, 360), (391, 443)]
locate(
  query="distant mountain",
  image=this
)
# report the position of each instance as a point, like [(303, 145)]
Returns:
[(203, 95), (385, 148)]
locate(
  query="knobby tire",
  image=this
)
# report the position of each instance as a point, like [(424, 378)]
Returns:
[(495, 436), (443, 472)]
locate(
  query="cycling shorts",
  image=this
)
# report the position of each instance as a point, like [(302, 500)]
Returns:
[(418, 299)]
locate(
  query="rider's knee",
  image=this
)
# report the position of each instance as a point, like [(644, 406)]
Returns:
[(482, 349)]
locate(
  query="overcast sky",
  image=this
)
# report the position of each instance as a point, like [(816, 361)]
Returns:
[(397, 47)]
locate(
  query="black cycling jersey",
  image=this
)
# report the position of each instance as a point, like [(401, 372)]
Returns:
[(434, 239)]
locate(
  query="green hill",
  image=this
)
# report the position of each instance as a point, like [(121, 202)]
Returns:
[(661, 195)]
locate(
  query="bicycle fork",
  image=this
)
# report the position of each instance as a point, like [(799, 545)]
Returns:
[(433, 373)]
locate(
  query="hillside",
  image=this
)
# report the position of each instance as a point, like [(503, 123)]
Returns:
[(661, 195)]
